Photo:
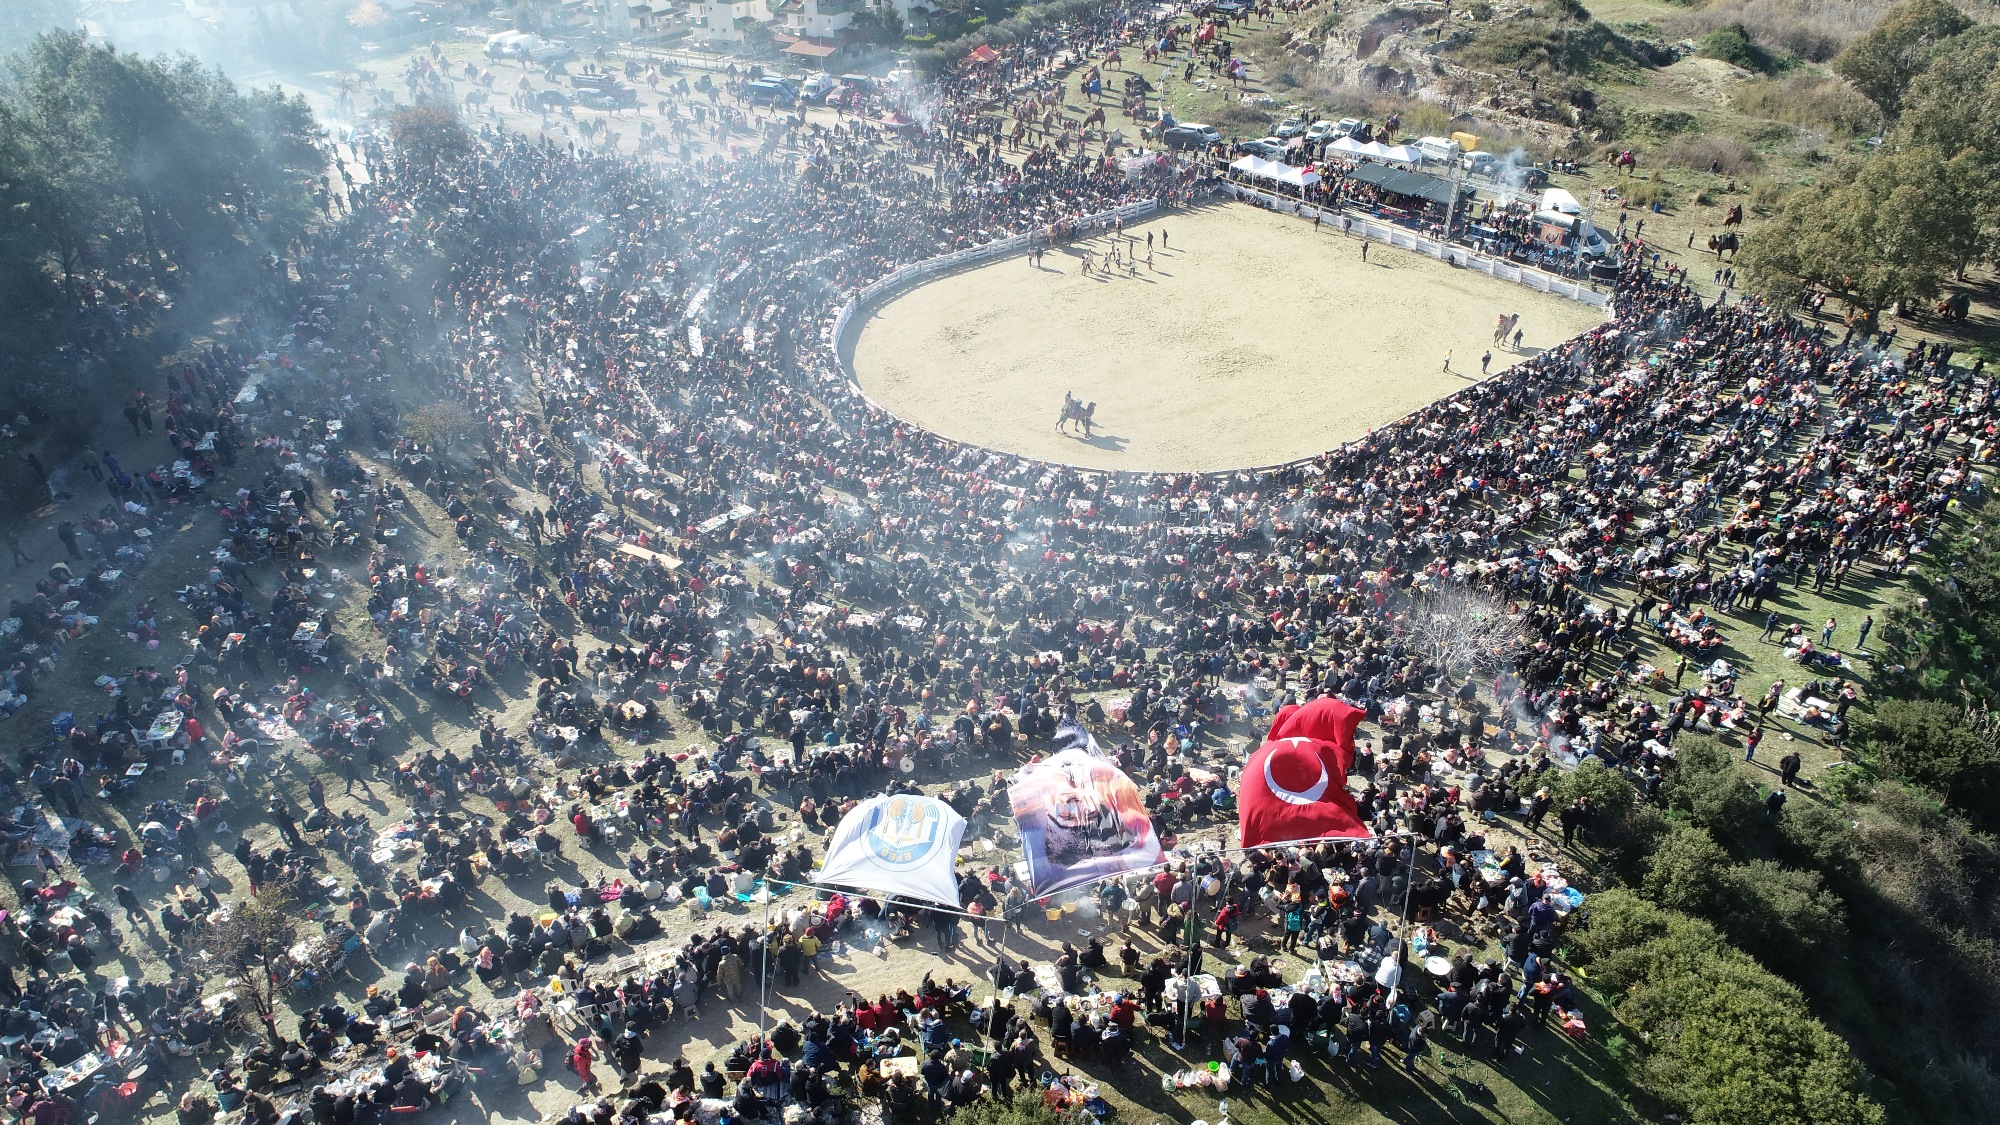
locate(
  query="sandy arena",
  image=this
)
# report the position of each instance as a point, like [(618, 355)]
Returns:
[(1254, 339)]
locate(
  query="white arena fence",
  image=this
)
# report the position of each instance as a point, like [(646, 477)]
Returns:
[(1404, 238), (906, 276), (896, 281)]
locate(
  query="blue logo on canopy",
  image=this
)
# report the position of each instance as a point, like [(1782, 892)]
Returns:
[(903, 832)]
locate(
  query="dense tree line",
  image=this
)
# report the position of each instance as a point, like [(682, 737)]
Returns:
[(1873, 914), (127, 184), (1925, 206)]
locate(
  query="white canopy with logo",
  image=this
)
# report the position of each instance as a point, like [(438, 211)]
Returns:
[(904, 845)]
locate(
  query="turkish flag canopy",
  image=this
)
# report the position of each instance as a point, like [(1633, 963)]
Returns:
[(1295, 785)]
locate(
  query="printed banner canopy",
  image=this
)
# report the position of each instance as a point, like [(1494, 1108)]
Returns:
[(1081, 819), (902, 845)]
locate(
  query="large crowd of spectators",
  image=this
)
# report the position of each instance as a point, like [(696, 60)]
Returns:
[(742, 598)]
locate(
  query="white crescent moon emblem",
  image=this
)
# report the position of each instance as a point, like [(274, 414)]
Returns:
[(1306, 797)]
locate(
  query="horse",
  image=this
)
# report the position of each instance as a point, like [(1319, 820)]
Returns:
[(1078, 412)]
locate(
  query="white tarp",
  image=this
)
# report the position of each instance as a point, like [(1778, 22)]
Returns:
[(1403, 154), (1560, 202), (903, 845), (1273, 170)]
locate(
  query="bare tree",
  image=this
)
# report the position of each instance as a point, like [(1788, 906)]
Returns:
[(441, 425), (252, 948), (1462, 630)]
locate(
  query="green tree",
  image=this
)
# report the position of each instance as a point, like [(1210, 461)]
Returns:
[(1885, 230), (759, 40), (1883, 62), (430, 136), (1928, 744), (159, 158)]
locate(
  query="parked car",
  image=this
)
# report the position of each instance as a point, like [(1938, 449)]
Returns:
[(551, 99), (607, 98), (1482, 164), (1320, 131), (1191, 134), (1290, 127), (771, 91), (1349, 126), (1270, 148), (507, 44)]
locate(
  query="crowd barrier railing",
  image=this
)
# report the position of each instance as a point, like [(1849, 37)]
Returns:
[(1403, 238), (905, 276)]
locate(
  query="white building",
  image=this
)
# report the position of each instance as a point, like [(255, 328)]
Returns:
[(721, 22), (817, 20)]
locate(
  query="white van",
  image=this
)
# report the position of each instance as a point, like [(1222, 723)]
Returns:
[(1439, 150), (506, 44)]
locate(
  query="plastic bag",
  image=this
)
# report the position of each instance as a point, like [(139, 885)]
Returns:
[(1297, 1072)]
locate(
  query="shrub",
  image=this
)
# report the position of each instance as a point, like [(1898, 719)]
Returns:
[(1664, 122), (1549, 44), (1238, 117), (1686, 870), (1024, 1109), (1645, 193), (1781, 915), (1929, 745), (1732, 44), (1727, 1040), (1702, 783), (1766, 196), (1812, 100), (1721, 152), (1815, 836), (1815, 30)]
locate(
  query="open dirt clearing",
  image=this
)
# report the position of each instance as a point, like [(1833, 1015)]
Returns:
[(1254, 339)]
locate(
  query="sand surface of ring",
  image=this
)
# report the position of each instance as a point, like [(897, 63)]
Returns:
[(1254, 339)]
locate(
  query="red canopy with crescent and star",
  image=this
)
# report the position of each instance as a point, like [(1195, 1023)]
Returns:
[(1295, 785)]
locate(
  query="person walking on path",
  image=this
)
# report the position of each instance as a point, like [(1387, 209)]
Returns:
[(580, 1059)]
